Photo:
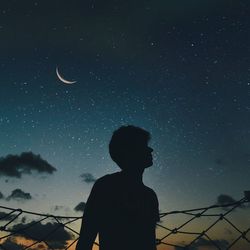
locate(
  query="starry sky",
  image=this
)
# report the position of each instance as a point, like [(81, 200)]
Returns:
[(179, 69)]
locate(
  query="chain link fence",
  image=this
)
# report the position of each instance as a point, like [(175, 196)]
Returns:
[(217, 227)]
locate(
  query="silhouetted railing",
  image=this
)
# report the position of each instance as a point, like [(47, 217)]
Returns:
[(186, 229)]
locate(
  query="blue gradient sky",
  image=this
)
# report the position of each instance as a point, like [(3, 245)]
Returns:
[(181, 71)]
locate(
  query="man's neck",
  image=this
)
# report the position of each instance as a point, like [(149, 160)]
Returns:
[(134, 175)]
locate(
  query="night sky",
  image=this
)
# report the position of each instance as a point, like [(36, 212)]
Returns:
[(179, 69)]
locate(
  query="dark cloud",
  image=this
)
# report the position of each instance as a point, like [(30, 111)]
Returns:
[(18, 194), (202, 242), (23, 219), (55, 234), (11, 243), (88, 178), (1, 196), (224, 199), (58, 207), (80, 207), (247, 195), (6, 216), (17, 165)]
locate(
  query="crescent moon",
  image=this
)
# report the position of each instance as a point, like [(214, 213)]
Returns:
[(62, 79)]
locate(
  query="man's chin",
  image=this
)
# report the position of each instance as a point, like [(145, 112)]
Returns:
[(150, 164)]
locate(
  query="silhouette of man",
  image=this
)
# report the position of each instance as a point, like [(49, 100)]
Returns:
[(120, 208)]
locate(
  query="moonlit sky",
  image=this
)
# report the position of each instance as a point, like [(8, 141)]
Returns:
[(179, 69)]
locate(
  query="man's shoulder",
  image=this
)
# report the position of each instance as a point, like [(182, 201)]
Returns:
[(107, 179)]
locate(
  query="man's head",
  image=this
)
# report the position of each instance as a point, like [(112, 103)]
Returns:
[(129, 148)]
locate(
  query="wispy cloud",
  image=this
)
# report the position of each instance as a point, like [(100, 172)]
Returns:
[(88, 178)]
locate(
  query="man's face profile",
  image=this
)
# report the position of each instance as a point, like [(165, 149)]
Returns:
[(141, 155)]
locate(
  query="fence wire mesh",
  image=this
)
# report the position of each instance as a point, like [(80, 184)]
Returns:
[(217, 227)]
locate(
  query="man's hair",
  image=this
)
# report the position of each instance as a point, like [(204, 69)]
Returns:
[(124, 141)]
